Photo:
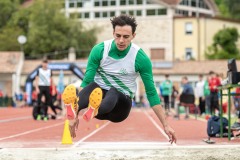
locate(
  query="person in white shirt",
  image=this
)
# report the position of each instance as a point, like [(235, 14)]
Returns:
[(200, 94)]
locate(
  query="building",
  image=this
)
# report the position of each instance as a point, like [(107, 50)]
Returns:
[(193, 35), (155, 32)]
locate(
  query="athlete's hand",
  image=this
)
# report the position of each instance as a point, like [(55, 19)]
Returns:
[(73, 126), (171, 134)]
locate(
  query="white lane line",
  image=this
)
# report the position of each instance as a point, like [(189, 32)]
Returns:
[(157, 126), (15, 119), (31, 131), (91, 134), (122, 145)]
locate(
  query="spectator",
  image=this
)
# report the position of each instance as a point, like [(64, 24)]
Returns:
[(186, 97), (166, 92), (207, 95), (214, 82), (174, 96), (43, 80), (200, 94)]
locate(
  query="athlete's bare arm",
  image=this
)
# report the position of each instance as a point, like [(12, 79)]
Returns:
[(168, 130)]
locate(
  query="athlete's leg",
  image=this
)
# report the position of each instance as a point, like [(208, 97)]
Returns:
[(115, 106)]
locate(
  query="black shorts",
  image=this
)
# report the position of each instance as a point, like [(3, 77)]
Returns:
[(115, 105)]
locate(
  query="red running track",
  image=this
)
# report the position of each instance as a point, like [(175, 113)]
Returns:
[(18, 129)]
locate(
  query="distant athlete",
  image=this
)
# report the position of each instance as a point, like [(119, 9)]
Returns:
[(109, 83)]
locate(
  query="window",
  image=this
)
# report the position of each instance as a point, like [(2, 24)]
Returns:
[(113, 3), (123, 2), (123, 12), (131, 13), (86, 15), (139, 12), (97, 4), (139, 2), (188, 28), (105, 14), (105, 3), (151, 12), (112, 14), (97, 14), (71, 5), (131, 2), (188, 53), (79, 4), (158, 53), (162, 11)]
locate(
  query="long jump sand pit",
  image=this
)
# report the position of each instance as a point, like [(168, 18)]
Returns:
[(206, 152)]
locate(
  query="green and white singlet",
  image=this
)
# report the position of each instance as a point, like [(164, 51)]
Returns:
[(119, 74), (132, 61)]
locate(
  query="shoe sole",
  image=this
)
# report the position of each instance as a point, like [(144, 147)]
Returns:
[(95, 100), (69, 98)]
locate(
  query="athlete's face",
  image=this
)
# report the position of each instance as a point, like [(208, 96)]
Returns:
[(44, 65), (123, 36)]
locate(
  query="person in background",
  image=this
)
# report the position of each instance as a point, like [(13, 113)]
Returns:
[(206, 92), (42, 86), (186, 97), (174, 96), (166, 92), (200, 94), (213, 82)]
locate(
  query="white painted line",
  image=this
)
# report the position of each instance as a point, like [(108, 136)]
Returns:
[(91, 134), (122, 145), (31, 131), (157, 126), (15, 119)]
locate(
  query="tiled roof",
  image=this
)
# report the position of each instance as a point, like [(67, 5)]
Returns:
[(9, 61), (196, 67), (178, 68), (171, 2)]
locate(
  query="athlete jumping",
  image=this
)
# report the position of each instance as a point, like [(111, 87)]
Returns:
[(109, 83)]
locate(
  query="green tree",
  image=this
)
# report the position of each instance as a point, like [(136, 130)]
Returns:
[(48, 31), (224, 45), (229, 8), (7, 8)]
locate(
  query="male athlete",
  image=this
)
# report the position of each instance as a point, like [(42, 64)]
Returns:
[(109, 83)]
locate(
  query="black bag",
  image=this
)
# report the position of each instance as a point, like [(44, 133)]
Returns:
[(213, 126)]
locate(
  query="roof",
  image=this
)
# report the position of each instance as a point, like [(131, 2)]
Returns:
[(178, 67), (196, 67), (9, 61)]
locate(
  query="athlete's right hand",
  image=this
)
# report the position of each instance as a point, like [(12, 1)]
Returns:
[(73, 126)]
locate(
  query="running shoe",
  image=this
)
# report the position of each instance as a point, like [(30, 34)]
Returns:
[(236, 126), (95, 100), (70, 100)]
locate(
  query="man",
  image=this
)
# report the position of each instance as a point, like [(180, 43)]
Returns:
[(200, 94), (110, 80), (186, 97), (213, 83), (43, 81), (166, 91)]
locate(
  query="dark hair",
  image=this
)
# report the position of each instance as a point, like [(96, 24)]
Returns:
[(45, 61), (123, 20), (185, 77), (166, 75), (211, 72)]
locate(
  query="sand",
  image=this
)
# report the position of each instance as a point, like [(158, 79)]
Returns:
[(211, 152)]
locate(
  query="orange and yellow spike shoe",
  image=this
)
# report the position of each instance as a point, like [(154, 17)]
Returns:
[(95, 100), (70, 100)]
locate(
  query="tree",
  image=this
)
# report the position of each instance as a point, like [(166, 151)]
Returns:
[(48, 31), (229, 8), (224, 45), (51, 32), (7, 8)]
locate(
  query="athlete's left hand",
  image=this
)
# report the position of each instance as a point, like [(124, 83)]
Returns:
[(171, 134)]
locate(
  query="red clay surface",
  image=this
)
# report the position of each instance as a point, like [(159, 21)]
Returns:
[(18, 129)]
